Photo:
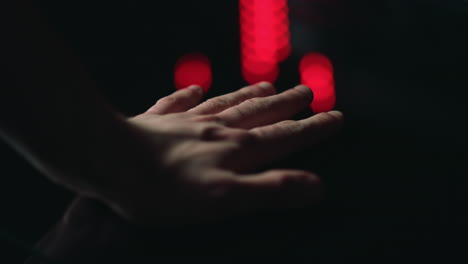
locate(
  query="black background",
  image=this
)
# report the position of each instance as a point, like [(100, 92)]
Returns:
[(395, 177)]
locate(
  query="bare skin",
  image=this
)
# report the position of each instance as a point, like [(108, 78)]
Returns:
[(208, 154), (180, 162)]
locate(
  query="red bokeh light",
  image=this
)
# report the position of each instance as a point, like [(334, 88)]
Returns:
[(257, 71), (317, 73), (193, 68), (315, 58), (265, 38)]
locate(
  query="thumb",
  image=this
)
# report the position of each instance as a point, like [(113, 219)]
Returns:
[(274, 189)]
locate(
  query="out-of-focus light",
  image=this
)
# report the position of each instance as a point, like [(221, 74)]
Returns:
[(317, 73), (284, 49), (265, 38), (257, 71), (193, 68), (315, 58)]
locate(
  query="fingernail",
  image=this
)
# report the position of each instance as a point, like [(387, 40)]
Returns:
[(265, 85), (305, 89), (336, 114), (197, 88)]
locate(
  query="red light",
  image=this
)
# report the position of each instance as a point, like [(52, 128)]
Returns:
[(193, 68), (315, 58), (257, 71), (317, 73), (265, 38), (285, 46)]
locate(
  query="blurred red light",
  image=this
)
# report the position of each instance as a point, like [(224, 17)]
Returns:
[(317, 73), (284, 46), (193, 68), (255, 71), (265, 38), (317, 59)]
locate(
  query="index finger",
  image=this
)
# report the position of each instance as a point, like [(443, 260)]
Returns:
[(220, 103)]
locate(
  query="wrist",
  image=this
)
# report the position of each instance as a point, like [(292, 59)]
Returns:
[(124, 162)]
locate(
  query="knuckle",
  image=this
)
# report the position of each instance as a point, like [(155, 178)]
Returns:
[(207, 131), (167, 100), (252, 101), (215, 119), (292, 126), (255, 103), (289, 122), (244, 94), (218, 101), (238, 112)]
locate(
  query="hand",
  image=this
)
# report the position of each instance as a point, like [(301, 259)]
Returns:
[(202, 159)]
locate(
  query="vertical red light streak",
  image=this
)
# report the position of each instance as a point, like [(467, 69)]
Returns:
[(193, 68), (317, 73), (265, 38)]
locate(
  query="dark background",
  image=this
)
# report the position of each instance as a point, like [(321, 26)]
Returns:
[(395, 177)]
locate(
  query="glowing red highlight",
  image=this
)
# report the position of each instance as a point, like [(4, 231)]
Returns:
[(317, 73), (314, 58), (265, 38), (193, 68), (285, 47), (257, 71), (265, 28)]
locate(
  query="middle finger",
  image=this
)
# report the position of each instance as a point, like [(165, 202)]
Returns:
[(268, 110), (220, 103)]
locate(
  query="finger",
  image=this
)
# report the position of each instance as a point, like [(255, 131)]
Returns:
[(220, 103), (179, 101), (263, 111), (311, 130), (272, 189), (277, 141)]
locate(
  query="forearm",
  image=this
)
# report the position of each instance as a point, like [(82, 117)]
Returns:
[(49, 109)]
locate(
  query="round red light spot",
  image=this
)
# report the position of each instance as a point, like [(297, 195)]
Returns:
[(193, 68), (317, 73), (317, 59)]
